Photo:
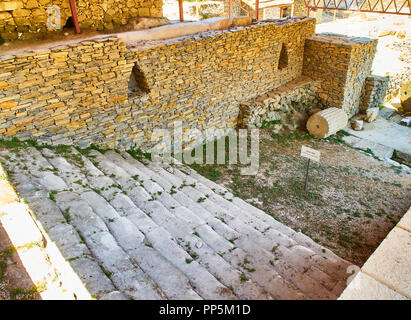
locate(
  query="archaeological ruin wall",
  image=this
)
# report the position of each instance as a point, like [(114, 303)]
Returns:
[(102, 92), (341, 64), (29, 19), (115, 94)]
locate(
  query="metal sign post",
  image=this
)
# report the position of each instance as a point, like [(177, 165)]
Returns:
[(306, 175)]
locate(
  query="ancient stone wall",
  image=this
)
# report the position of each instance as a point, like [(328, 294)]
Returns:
[(27, 19), (287, 107), (299, 8), (102, 92), (374, 92), (341, 64)]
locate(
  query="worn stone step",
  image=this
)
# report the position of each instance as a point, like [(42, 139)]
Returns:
[(193, 194), (299, 258), (202, 280), (189, 221), (272, 229), (173, 283), (43, 262), (126, 276)]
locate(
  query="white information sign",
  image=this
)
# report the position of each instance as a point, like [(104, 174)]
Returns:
[(310, 153)]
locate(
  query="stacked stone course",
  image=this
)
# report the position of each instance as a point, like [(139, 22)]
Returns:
[(27, 19), (341, 64), (287, 106), (374, 92), (80, 93)]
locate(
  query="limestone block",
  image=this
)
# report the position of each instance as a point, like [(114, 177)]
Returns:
[(241, 21), (31, 4), (10, 5), (357, 125), (405, 221), (391, 262), (364, 287), (20, 227), (144, 12), (371, 114), (21, 13), (406, 95), (218, 23)]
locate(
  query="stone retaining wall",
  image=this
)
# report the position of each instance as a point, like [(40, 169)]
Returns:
[(299, 8), (341, 64), (286, 107), (374, 91), (27, 19), (104, 93)]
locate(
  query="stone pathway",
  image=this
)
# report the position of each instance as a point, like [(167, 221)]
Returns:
[(133, 229)]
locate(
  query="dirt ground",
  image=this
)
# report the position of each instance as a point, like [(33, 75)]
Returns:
[(15, 283), (352, 200)]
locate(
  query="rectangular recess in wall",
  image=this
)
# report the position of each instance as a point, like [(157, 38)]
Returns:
[(283, 61), (137, 84)]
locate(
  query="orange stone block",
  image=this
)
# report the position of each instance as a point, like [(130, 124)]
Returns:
[(8, 105)]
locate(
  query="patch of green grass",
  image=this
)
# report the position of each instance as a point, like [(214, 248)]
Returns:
[(243, 277), (52, 194), (66, 214), (86, 151), (24, 294), (291, 137), (188, 261), (138, 154), (344, 238), (269, 123), (106, 272), (209, 171), (4, 256)]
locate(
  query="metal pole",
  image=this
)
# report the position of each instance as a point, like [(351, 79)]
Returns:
[(229, 8), (74, 15), (180, 6), (256, 9), (306, 175), (308, 12)]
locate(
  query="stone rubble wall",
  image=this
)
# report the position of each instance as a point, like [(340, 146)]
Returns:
[(79, 93), (27, 19), (286, 107), (299, 8), (342, 64), (374, 92)]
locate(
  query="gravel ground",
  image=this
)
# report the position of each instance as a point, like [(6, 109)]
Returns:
[(352, 201)]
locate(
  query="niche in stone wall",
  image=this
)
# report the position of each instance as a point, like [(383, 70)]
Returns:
[(69, 23), (137, 85), (283, 62)]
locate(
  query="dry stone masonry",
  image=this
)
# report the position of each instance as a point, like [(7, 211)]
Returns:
[(341, 64), (27, 19), (115, 94), (374, 92), (92, 92), (287, 106)]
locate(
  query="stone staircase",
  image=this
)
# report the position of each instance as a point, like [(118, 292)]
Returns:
[(133, 229)]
